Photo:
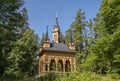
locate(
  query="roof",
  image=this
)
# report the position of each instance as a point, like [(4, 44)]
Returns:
[(59, 47)]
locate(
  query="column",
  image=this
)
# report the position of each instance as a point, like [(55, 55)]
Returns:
[(48, 67), (71, 69), (56, 64), (43, 67), (63, 67), (56, 67), (74, 65)]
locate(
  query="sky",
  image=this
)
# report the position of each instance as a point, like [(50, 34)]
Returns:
[(42, 13)]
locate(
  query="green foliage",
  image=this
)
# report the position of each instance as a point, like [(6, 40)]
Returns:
[(88, 64), (67, 36), (49, 77), (60, 67), (12, 77), (83, 76), (62, 37), (87, 76), (106, 46), (22, 57), (110, 15), (78, 27), (83, 35), (11, 25)]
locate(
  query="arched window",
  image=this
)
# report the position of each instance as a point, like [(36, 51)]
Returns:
[(67, 66), (46, 67), (55, 36), (60, 65), (52, 65)]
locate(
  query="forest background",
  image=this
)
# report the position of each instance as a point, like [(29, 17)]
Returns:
[(97, 44)]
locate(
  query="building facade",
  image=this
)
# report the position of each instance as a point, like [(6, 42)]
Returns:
[(56, 56)]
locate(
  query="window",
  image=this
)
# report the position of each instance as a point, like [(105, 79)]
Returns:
[(55, 35)]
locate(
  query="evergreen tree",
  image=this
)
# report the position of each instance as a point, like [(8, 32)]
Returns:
[(78, 30), (78, 27), (67, 36), (22, 57), (88, 37), (11, 25), (62, 38), (106, 48)]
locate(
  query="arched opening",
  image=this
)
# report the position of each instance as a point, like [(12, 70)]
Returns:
[(67, 66), (60, 65), (52, 65), (46, 67)]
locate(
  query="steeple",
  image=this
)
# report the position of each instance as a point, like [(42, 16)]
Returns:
[(71, 43), (46, 40), (71, 39), (56, 32), (56, 23), (46, 36), (42, 40)]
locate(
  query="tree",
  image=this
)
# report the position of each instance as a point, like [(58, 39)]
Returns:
[(78, 27), (78, 30), (107, 46), (67, 36), (23, 55), (11, 25), (62, 38)]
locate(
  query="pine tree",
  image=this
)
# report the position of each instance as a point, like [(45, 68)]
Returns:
[(78, 30), (11, 25), (23, 55), (107, 46), (67, 36)]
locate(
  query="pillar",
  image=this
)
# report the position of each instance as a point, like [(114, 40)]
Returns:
[(64, 67), (74, 65), (56, 64), (56, 67), (48, 67), (43, 67), (71, 69)]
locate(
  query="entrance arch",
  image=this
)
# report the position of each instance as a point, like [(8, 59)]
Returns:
[(67, 66), (52, 65), (60, 65), (46, 67)]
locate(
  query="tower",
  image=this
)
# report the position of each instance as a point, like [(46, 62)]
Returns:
[(46, 40), (56, 32)]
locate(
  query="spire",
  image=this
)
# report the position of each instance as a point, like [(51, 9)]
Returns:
[(71, 44), (46, 37), (42, 40), (56, 22), (71, 39)]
